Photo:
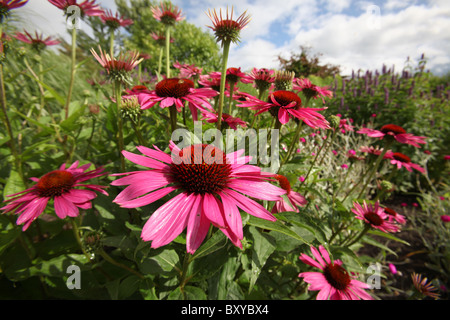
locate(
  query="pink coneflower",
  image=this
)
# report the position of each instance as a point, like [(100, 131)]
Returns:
[(233, 75), (63, 187), (402, 160), (7, 5), (295, 198), (176, 91), (375, 151), (424, 288), (168, 14), (211, 82), (375, 216), (230, 121), (262, 78), (394, 215), (445, 218), (211, 187), (87, 7), (285, 105), (396, 132), (344, 126), (227, 30), (114, 21), (311, 90), (37, 42), (160, 38), (333, 282), (118, 68), (188, 70)]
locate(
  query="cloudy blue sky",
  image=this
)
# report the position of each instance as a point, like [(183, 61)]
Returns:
[(350, 33)]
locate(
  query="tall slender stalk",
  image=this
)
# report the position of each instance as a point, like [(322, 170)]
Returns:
[(226, 50), (120, 143), (12, 141), (72, 71)]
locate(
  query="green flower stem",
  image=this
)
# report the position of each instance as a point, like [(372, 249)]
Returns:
[(120, 143), (230, 99), (136, 128), (294, 143), (314, 161), (108, 258), (168, 51), (72, 71), (111, 44), (76, 233), (12, 141), (360, 235), (183, 279), (160, 60), (375, 168), (226, 50)]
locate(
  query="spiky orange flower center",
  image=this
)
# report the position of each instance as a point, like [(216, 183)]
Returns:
[(336, 276), (373, 218), (201, 169), (174, 87), (392, 128), (401, 157), (55, 183)]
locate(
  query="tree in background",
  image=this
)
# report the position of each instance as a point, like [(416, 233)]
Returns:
[(191, 44), (305, 65)]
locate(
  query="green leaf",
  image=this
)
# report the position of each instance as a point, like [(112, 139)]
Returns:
[(8, 233), (276, 226), (71, 123), (47, 129), (58, 98), (305, 222), (165, 262), (188, 293), (14, 184), (388, 236), (263, 247), (216, 242)]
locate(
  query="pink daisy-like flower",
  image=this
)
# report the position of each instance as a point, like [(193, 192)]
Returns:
[(397, 132), (445, 218), (402, 160), (7, 5), (207, 81), (87, 7), (311, 90), (114, 21), (188, 70), (63, 187), (211, 187), (118, 68), (37, 42), (230, 121), (227, 30), (333, 282), (295, 198), (168, 14), (160, 38), (375, 216), (286, 105), (233, 75), (394, 215), (262, 78), (176, 91)]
